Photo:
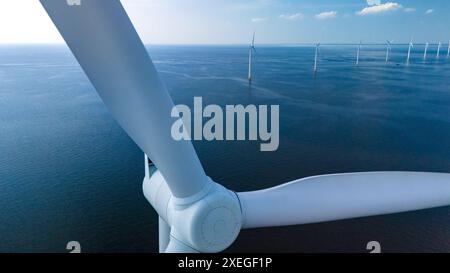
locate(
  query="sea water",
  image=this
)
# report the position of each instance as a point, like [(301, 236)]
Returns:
[(69, 173)]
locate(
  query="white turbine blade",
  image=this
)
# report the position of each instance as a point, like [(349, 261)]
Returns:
[(108, 48), (344, 196), (178, 247), (253, 40)]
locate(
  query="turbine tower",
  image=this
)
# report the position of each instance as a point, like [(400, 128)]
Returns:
[(388, 49), (448, 50), (316, 57), (426, 51), (411, 46), (197, 214), (358, 53), (250, 57), (439, 50)]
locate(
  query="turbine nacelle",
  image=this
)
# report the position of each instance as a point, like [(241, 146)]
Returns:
[(208, 222)]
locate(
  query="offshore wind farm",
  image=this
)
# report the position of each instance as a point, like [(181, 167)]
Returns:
[(408, 50), (388, 100)]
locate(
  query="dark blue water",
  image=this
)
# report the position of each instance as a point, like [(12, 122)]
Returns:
[(69, 173)]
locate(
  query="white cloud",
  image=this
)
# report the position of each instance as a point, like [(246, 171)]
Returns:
[(292, 17), (409, 10), (373, 2), (257, 20), (327, 15), (430, 11), (389, 6)]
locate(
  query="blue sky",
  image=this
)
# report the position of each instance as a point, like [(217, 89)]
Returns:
[(233, 21)]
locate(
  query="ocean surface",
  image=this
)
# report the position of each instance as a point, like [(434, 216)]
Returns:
[(69, 173)]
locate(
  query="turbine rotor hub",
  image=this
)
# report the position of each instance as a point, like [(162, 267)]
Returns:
[(209, 225), (208, 222)]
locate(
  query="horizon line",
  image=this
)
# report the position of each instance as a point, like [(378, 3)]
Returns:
[(231, 44)]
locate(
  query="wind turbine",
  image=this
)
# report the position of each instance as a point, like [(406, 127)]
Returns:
[(426, 51), (388, 49), (411, 46), (358, 53), (196, 214), (316, 57), (448, 50), (439, 50), (250, 57)]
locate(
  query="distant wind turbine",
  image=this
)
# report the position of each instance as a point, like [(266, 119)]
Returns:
[(316, 57), (358, 53), (426, 51), (438, 50), (388, 49), (250, 57), (448, 50), (411, 46)]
